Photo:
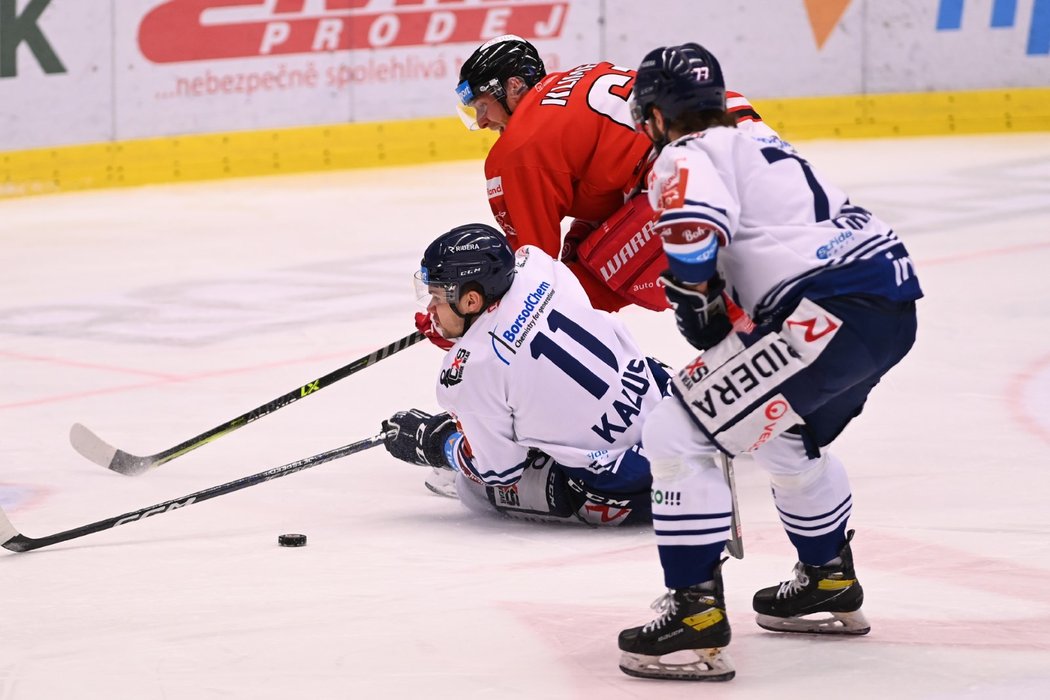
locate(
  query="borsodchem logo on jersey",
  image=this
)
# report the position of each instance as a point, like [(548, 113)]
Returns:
[(522, 324), (178, 31)]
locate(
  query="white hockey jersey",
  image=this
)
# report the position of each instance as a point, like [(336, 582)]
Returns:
[(745, 204), (543, 369)]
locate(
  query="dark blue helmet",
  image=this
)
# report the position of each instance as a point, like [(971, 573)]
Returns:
[(678, 79), (494, 62), (471, 253)]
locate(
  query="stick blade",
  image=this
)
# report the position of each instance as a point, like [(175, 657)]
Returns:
[(10, 538), (105, 455), (91, 446)]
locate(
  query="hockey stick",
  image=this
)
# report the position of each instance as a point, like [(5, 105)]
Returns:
[(15, 541), (735, 545), (105, 455)]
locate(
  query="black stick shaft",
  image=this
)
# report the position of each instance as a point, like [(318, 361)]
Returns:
[(129, 464), (282, 401), (21, 543)]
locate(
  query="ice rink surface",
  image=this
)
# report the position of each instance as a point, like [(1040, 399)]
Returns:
[(154, 314)]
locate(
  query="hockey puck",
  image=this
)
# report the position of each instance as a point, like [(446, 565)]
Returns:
[(291, 540)]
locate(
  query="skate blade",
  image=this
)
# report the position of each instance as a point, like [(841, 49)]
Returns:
[(695, 665), (851, 623)]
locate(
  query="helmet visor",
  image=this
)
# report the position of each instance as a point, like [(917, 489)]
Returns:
[(468, 105), (427, 292), (468, 114), (465, 107)]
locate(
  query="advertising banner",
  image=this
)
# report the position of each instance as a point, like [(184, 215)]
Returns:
[(810, 48), (79, 71), (56, 73), (269, 63)]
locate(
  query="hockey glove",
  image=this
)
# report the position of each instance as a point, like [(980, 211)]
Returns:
[(419, 438), (701, 317), (578, 231), (425, 325)]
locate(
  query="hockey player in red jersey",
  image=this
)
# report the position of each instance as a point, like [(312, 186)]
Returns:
[(567, 148)]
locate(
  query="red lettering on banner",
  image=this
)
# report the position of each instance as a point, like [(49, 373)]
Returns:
[(179, 31)]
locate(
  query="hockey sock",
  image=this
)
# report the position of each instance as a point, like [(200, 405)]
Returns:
[(815, 511), (691, 517)]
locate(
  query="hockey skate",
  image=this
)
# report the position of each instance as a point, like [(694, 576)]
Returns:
[(686, 641), (820, 599)]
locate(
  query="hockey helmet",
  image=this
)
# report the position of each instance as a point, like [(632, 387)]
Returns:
[(677, 79), (490, 66), (473, 253)]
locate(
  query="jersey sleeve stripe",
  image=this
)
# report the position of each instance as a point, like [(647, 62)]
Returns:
[(693, 215), (721, 225), (740, 107), (745, 115), (494, 478), (700, 203), (461, 461)]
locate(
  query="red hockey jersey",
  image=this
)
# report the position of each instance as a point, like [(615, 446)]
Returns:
[(570, 150)]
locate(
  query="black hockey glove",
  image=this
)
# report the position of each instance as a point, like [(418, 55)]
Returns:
[(419, 438), (701, 318)]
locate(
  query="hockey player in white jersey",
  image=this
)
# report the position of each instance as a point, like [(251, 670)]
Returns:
[(545, 396), (831, 291)]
